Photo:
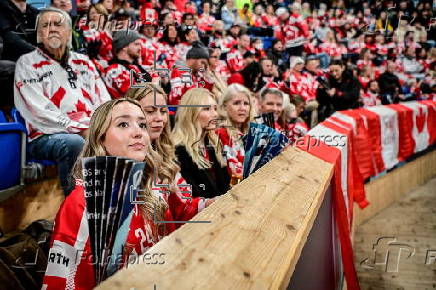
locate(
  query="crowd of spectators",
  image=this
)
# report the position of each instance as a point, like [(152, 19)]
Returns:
[(300, 61), (178, 83)]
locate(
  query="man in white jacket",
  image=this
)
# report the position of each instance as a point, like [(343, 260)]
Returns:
[(56, 90)]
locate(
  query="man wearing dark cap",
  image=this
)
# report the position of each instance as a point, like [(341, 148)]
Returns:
[(192, 74), (124, 69)]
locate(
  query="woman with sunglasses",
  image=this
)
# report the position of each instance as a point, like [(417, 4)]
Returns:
[(118, 128), (198, 149)]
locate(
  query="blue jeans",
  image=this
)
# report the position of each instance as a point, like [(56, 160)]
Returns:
[(62, 149), (324, 60)]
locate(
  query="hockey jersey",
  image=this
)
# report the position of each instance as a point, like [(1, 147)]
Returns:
[(70, 263), (121, 75), (57, 99), (295, 32)]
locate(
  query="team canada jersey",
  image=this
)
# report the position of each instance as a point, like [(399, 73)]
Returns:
[(295, 32), (370, 99), (356, 46), (149, 47), (332, 49), (182, 79), (169, 53), (105, 50), (50, 99), (70, 263), (311, 85), (233, 148), (222, 69), (382, 48), (205, 22), (235, 60), (270, 20), (119, 77)]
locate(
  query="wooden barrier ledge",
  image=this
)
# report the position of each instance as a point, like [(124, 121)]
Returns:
[(255, 237)]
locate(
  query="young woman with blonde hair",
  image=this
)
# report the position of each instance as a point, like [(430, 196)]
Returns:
[(198, 149), (154, 102), (237, 108), (117, 128)]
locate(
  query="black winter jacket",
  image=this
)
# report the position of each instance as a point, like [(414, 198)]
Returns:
[(17, 29), (216, 180)]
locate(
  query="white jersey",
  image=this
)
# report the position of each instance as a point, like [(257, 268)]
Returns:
[(53, 99)]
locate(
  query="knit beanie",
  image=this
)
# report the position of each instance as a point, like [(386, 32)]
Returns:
[(121, 39)]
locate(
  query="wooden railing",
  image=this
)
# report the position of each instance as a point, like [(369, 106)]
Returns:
[(254, 239)]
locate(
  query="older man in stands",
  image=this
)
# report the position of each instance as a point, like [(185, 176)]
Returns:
[(56, 90)]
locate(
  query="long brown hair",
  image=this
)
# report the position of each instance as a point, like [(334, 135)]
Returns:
[(164, 146), (100, 122)]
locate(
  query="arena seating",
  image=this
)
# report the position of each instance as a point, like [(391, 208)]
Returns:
[(16, 166)]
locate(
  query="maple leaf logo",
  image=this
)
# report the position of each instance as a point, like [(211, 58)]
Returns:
[(81, 107), (420, 120)]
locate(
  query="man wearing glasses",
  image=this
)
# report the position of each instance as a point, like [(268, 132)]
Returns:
[(56, 90)]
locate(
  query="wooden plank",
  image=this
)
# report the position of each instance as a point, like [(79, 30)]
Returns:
[(37, 201), (255, 237)]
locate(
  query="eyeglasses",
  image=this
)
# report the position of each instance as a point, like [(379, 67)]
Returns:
[(72, 77)]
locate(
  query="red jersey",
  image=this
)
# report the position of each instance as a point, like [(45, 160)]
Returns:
[(182, 79), (233, 148), (296, 31), (119, 76), (205, 22), (70, 263), (50, 100)]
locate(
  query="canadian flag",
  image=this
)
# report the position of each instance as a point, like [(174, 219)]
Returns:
[(362, 143), (332, 153), (389, 134), (431, 122), (361, 140), (420, 124)]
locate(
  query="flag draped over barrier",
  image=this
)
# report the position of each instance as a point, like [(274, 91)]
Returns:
[(363, 143)]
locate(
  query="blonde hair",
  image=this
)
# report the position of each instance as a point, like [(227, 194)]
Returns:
[(100, 122), (188, 132), (229, 93), (164, 146), (288, 108)]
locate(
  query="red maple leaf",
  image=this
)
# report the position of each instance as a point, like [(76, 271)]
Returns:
[(420, 120), (58, 96), (81, 107)]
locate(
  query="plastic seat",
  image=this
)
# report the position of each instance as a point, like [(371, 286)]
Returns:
[(12, 136), (17, 118)]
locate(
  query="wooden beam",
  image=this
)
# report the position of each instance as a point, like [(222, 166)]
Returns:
[(255, 237), (36, 201)]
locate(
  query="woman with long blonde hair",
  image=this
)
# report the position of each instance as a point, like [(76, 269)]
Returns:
[(117, 128), (198, 149), (237, 109), (154, 102)]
